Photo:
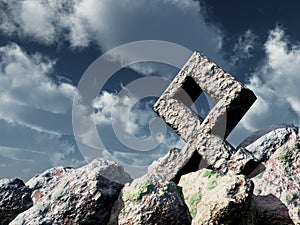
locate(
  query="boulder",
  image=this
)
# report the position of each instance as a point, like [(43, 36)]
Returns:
[(74, 196), (213, 198), (258, 147), (151, 200), (242, 161), (277, 185), (263, 143), (48, 180), (15, 198)]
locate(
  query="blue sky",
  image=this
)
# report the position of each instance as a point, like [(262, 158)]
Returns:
[(46, 46)]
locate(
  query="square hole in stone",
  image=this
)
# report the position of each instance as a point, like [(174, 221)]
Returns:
[(191, 95)]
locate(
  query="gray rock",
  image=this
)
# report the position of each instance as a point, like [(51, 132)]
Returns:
[(271, 211), (242, 161), (258, 147), (14, 199), (75, 196), (277, 185), (263, 143), (151, 200), (176, 163), (213, 198), (48, 179)]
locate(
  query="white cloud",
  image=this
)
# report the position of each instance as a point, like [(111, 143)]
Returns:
[(27, 93), (110, 23), (42, 21), (35, 20), (244, 47), (133, 117), (104, 105), (126, 129), (108, 104), (276, 84)]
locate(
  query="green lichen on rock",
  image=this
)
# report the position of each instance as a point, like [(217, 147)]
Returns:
[(151, 200), (214, 198), (213, 177), (194, 200), (212, 184), (208, 173), (285, 157), (135, 195)]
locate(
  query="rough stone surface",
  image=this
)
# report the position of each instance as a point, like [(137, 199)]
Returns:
[(213, 198), (48, 179), (15, 198), (151, 200), (176, 163), (277, 185), (258, 147), (271, 211), (74, 196), (242, 161), (206, 136), (263, 143)]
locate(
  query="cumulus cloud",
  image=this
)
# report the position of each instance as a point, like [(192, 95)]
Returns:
[(35, 20), (110, 23), (276, 85), (244, 47), (134, 124), (108, 104), (28, 94)]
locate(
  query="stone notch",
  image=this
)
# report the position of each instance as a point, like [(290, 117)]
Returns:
[(207, 136)]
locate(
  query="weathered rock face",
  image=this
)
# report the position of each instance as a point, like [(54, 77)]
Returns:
[(14, 199), (213, 198), (75, 196), (176, 163), (277, 185), (151, 200), (258, 147), (242, 161), (263, 143), (48, 180)]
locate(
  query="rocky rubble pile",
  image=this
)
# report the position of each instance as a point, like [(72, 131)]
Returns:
[(74, 196), (103, 193)]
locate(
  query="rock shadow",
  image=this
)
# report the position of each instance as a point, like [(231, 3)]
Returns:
[(271, 211)]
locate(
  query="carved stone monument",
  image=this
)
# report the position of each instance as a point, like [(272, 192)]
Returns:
[(204, 137)]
